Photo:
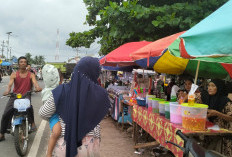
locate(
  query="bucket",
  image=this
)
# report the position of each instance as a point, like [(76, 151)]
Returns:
[(175, 113), (141, 102), (194, 117), (162, 107), (167, 111)]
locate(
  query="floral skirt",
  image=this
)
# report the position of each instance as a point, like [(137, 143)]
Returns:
[(90, 147)]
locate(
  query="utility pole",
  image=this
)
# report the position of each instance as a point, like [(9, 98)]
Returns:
[(10, 53), (8, 43), (57, 45), (3, 47)]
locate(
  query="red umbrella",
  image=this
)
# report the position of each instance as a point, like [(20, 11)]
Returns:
[(121, 55)]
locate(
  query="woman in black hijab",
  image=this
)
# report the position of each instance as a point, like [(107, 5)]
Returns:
[(220, 113), (218, 102)]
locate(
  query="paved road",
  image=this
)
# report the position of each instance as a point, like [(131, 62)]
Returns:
[(37, 140)]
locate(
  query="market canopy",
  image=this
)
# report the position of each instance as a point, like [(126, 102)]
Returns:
[(178, 50), (170, 64), (153, 50), (216, 67), (212, 36), (121, 55)]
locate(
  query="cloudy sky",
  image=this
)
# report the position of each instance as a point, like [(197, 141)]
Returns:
[(34, 25)]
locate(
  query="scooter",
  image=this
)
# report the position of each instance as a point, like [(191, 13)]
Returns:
[(20, 127), (192, 149)]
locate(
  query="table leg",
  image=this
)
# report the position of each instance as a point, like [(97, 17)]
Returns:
[(136, 133), (122, 105)]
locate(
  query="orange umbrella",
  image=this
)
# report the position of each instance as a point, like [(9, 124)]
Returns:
[(155, 48)]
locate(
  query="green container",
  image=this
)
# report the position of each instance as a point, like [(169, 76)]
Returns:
[(162, 105), (167, 114), (173, 99), (167, 111)]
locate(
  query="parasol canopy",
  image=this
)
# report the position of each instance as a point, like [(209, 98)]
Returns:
[(121, 55), (212, 36), (149, 54)]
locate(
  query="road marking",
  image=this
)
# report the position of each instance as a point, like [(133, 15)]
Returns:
[(35, 145)]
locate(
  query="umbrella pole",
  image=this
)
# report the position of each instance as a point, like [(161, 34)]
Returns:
[(143, 74), (197, 71)]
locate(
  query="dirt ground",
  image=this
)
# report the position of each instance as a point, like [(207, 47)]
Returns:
[(118, 143)]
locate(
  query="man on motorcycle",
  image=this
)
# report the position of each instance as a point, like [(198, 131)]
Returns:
[(22, 80)]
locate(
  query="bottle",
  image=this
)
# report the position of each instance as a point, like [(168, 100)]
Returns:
[(181, 100)]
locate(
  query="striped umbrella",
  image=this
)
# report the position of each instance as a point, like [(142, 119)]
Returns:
[(212, 36)]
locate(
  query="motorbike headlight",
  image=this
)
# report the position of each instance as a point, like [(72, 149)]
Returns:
[(19, 96)]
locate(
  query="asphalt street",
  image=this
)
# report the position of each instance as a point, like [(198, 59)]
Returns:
[(37, 140)]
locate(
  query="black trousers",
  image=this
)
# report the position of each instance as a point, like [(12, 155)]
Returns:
[(9, 112)]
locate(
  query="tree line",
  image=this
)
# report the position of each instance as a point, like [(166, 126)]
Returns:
[(116, 22), (38, 60)]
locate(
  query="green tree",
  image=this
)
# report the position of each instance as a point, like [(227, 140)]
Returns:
[(29, 58), (36, 60), (117, 22), (41, 60)]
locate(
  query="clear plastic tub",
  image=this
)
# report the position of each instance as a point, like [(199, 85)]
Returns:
[(175, 113), (155, 106), (194, 117), (167, 111), (149, 96), (162, 107), (149, 104)]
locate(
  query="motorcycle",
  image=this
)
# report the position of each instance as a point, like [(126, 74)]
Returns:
[(20, 127), (192, 149)]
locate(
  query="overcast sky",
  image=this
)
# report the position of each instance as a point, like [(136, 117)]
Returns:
[(34, 25)]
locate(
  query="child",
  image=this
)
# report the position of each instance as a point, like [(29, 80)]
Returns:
[(52, 78)]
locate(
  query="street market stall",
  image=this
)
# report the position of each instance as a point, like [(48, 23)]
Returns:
[(161, 129)]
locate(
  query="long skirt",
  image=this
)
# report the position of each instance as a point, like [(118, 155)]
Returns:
[(90, 147)]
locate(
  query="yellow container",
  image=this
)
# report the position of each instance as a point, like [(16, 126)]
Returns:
[(194, 117)]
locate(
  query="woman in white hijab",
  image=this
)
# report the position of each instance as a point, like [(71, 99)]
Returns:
[(52, 79)]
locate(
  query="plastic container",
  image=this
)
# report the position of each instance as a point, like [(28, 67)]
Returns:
[(149, 96), (162, 107), (141, 102), (194, 117), (167, 111), (173, 99), (155, 105), (149, 104), (175, 113)]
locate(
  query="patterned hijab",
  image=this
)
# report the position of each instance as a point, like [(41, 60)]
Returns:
[(51, 79), (82, 103)]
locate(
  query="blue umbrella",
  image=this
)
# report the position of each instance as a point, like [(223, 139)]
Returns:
[(4, 63)]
